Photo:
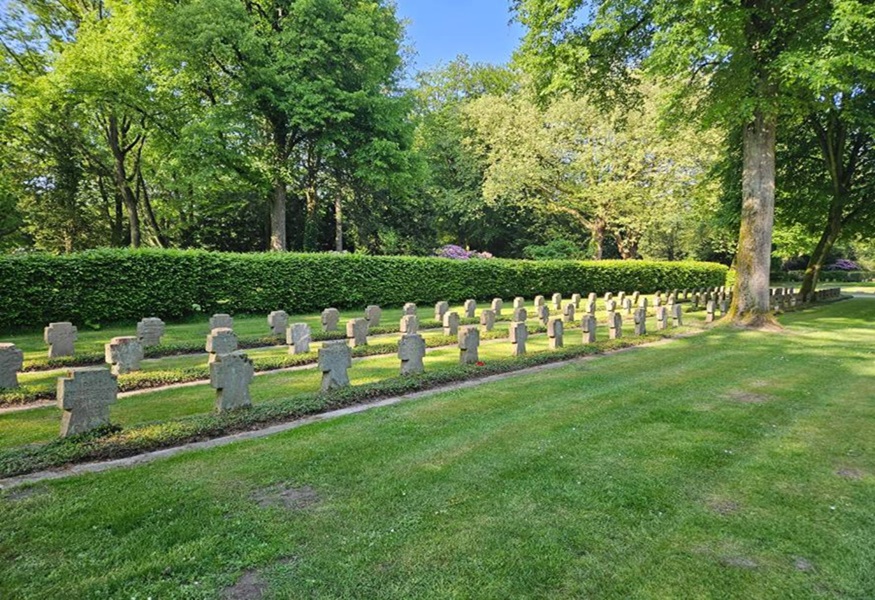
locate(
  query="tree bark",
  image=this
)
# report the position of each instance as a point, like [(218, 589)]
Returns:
[(750, 304), (598, 238), (114, 136), (815, 263), (338, 222), (278, 217)]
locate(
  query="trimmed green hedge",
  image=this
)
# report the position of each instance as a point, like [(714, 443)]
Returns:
[(104, 286)]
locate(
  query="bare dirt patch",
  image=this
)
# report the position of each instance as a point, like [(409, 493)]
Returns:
[(724, 507), (250, 586), (286, 496), (744, 397), (854, 474)]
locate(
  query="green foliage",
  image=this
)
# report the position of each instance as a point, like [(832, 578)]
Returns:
[(113, 285), (555, 250)]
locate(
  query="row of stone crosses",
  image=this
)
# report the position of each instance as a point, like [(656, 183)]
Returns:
[(87, 393)]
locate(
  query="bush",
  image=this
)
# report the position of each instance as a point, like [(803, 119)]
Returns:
[(105, 286), (555, 250)]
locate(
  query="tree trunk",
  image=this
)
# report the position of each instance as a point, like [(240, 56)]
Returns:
[(598, 238), (311, 225), (278, 217), (338, 223), (750, 305), (119, 154), (827, 240)]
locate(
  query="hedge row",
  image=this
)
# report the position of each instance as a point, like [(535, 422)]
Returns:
[(106, 286), (828, 276)]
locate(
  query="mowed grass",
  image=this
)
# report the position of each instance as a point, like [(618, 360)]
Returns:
[(733, 464)]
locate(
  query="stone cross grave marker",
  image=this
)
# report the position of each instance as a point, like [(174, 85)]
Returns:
[(411, 351), (221, 341), (568, 312), (589, 329), (555, 333), (608, 297), (709, 315), (661, 318), (621, 297), (409, 309), (85, 397), (519, 302), (373, 314), (469, 344), (615, 323), (231, 375), (635, 297), (11, 362), (575, 299), (330, 319), (557, 301), (298, 337), (409, 324), (519, 333), (640, 321), (123, 354), (520, 314), (592, 297), (543, 313), (487, 320), (221, 321), (677, 315), (451, 323), (61, 338), (357, 332), (440, 309), (497, 306), (642, 302), (150, 331), (470, 308), (278, 320), (627, 305), (335, 359), (589, 307), (539, 301)]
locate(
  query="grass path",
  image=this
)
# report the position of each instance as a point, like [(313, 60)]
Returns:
[(733, 464)]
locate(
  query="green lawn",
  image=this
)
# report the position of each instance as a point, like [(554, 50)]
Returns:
[(733, 464)]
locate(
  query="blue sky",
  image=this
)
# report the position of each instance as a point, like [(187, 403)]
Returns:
[(440, 30)]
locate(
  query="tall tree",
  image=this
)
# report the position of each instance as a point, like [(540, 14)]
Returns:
[(740, 61)]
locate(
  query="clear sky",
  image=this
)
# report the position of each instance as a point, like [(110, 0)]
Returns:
[(440, 30)]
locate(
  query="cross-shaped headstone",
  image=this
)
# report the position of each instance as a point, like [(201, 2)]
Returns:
[(373, 314), (608, 296), (555, 333), (335, 358), (519, 333), (520, 314), (589, 328), (411, 350), (11, 362), (409, 324), (592, 297), (221, 341), (568, 312), (85, 397), (657, 300), (709, 315), (575, 299), (469, 343), (410, 309), (330, 319), (695, 301), (298, 337), (61, 338), (231, 375), (519, 302), (677, 315), (635, 297), (557, 301), (278, 320), (543, 313), (620, 298), (615, 324), (221, 321), (589, 307), (661, 318), (539, 302), (640, 321), (642, 302), (470, 309), (451, 323), (610, 307), (497, 306), (440, 309), (627, 305), (487, 320), (357, 332), (123, 354), (150, 331)]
